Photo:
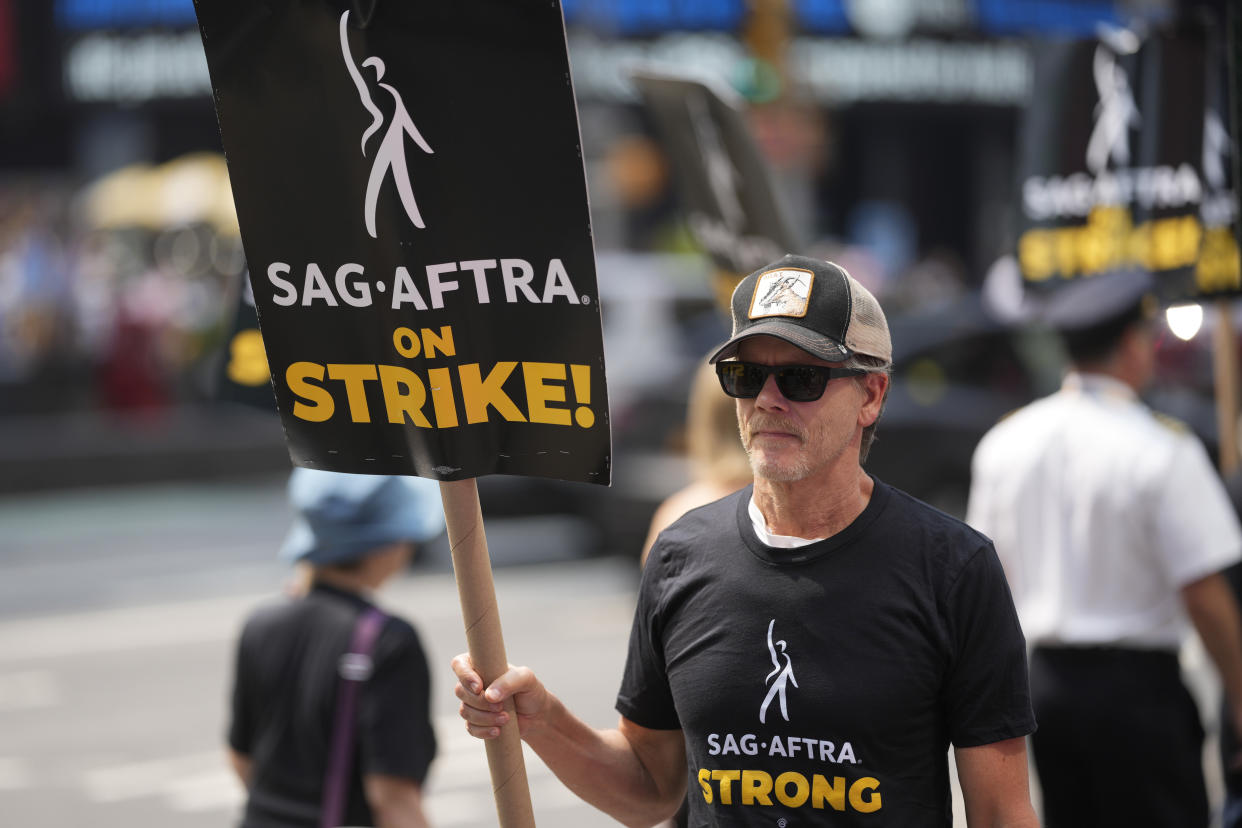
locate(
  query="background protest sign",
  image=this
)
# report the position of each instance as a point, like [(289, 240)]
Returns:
[(413, 209), (1126, 164), (731, 205)]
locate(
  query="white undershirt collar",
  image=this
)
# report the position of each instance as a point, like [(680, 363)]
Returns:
[(767, 537)]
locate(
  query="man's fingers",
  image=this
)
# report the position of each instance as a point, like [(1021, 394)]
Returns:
[(482, 732), (463, 668), (478, 718), (476, 701), (515, 680)]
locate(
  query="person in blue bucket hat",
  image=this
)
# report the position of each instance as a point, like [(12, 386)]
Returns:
[(330, 719)]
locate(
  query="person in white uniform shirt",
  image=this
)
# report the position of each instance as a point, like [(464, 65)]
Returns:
[(1113, 529)]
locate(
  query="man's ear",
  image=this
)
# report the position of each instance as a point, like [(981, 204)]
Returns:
[(874, 386)]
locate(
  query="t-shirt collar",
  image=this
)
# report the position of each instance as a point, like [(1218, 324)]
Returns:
[(802, 550)]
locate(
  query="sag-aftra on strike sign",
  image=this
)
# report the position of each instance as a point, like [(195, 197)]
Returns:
[(413, 207)]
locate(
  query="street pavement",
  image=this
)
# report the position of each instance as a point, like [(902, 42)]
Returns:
[(118, 612), (115, 717)]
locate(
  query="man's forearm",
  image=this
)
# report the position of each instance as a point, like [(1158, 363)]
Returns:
[(606, 770), (396, 802), (1214, 611)]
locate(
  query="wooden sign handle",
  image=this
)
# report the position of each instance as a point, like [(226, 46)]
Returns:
[(1226, 370), (473, 569)]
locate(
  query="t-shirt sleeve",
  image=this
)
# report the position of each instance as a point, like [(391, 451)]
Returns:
[(987, 695), (1195, 525), (396, 737), (241, 728), (645, 697)]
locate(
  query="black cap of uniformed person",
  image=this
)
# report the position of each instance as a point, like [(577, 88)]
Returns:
[(1092, 312)]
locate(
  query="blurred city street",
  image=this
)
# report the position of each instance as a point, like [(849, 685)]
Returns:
[(117, 615)]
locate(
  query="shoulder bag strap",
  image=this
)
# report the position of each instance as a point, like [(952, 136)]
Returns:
[(355, 668)]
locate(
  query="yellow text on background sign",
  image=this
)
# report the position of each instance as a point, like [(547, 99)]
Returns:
[(247, 358), (430, 399), (1110, 241)]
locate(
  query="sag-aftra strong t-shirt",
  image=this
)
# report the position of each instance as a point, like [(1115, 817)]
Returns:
[(823, 685)]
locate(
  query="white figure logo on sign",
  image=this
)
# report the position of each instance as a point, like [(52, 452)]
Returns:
[(390, 156), (1115, 114)]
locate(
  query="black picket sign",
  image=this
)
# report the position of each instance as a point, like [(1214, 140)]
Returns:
[(411, 195)]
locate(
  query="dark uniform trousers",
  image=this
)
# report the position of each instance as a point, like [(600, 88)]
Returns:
[(1119, 740)]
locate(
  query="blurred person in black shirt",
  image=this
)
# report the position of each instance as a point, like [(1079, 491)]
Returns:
[(354, 532)]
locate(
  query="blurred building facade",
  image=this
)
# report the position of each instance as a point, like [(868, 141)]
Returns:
[(890, 127)]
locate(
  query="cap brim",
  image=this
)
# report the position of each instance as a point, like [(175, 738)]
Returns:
[(299, 542), (1088, 302), (820, 347)]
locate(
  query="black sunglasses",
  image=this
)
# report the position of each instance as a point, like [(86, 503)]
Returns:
[(797, 383)]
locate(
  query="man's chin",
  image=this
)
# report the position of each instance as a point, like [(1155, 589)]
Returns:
[(775, 471)]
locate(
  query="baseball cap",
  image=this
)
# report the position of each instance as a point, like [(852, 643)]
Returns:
[(812, 304), (343, 517)]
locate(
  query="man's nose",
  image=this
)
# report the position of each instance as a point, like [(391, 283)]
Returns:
[(770, 396)]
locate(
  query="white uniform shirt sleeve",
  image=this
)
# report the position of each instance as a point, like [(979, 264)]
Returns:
[(1196, 528)]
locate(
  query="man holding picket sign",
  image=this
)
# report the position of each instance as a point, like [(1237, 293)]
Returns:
[(806, 650), (412, 200)]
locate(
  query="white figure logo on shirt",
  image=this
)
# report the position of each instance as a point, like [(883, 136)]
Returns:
[(390, 156), (782, 673)]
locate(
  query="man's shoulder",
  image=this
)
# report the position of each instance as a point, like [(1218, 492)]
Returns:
[(400, 632), (271, 625), (399, 642), (711, 516), (946, 541), (1161, 428), (272, 613), (702, 526), (907, 507)]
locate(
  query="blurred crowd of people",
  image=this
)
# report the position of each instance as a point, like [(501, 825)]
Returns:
[(96, 314)]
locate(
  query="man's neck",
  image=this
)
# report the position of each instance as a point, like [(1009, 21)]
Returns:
[(1078, 378), (813, 508)]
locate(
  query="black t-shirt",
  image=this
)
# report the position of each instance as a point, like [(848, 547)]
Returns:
[(823, 685), (284, 706)]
